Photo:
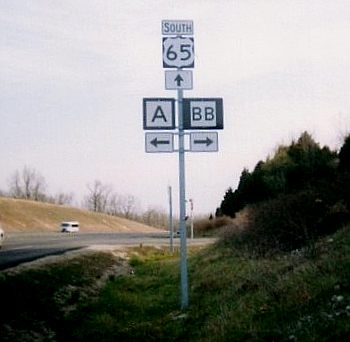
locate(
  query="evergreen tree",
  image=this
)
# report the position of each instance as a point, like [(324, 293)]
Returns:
[(344, 155), (302, 165)]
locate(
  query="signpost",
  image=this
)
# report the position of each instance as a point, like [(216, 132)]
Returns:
[(193, 114)]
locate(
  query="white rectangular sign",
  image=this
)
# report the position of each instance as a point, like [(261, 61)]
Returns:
[(203, 113), (204, 142), (178, 79), (177, 27), (159, 142), (158, 113)]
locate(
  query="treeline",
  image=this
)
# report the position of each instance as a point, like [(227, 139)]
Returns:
[(29, 184), (300, 193), (102, 198)]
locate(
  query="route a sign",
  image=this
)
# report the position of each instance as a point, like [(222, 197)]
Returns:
[(158, 113), (203, 113)]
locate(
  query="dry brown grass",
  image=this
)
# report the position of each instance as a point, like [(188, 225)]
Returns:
[(207, 227), (28, 216)]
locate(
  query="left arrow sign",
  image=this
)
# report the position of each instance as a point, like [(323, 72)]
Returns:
[(159, 142), (155, 142)]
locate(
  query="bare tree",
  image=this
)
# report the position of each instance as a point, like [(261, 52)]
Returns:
[(16, 190), (155, 217), (62, 198), (97, 198), (128, 205), (28, 184), (114, 204), (122, 205), (102, 198)]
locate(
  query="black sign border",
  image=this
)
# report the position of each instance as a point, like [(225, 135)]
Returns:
[(158, 99), (171, 66), (187, 113)]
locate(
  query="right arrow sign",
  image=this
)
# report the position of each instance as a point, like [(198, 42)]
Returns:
[(204, 142)]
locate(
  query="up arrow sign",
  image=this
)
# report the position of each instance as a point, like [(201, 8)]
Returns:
[(178, 79)]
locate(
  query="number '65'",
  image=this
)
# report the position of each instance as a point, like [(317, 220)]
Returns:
[(185, 50)]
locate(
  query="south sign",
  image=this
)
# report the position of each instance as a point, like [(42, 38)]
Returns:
[(177, 27)]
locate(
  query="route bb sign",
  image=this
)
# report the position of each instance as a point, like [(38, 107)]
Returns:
[(203, 113)]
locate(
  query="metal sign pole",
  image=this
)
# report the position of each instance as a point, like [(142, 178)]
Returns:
[(182, 204), (171, 227), (191, 216)]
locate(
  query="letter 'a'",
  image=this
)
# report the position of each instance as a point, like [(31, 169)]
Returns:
[(159, 114)]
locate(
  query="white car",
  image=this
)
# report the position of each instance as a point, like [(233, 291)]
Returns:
[(2, 236), (69, 226)]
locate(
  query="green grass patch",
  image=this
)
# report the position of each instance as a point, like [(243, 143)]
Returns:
[(36, 301), (141, 306), (287, 297), (233, 296)]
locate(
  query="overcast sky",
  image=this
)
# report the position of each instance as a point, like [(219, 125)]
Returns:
[(74, 72)]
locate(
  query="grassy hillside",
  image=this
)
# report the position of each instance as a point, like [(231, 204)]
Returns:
[(28, 216), (234, 296)]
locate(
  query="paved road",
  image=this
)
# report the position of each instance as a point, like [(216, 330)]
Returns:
[(19, 248)]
